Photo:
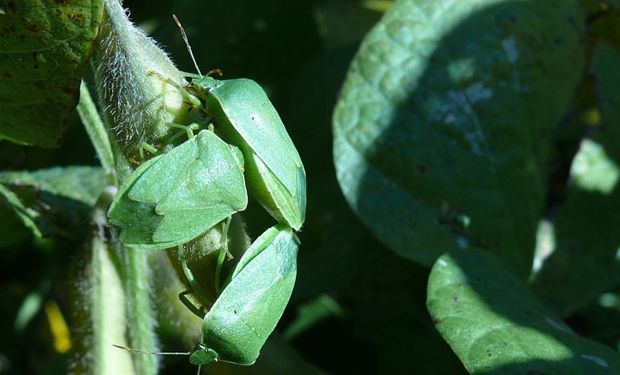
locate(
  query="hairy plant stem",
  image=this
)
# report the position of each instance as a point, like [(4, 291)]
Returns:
[(140, 315), (100, 323), (108, 321), (131, 281)]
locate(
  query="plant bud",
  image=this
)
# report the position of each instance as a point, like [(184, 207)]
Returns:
[(136, 85)]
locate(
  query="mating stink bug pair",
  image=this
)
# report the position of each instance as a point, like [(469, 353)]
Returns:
[(175, 197), (198, 179)]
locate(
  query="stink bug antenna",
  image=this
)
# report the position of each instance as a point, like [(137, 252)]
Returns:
[(189, 48), (147, 352)]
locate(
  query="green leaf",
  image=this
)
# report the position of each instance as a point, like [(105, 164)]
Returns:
[(53, 201), (441, 134), (44, 47), (495, 325), (585, 261), (311, 313)]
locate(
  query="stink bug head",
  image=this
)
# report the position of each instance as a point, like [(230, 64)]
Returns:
[(201, 355), (205, 84)]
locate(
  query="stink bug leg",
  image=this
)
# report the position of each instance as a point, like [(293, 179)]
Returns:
[(187, 129), (200, 312), (146, 147), (195, 287), (222, 255), (193, 101)]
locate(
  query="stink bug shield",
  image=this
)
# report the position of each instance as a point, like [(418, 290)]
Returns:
[(251, 304), (274, 171), (173, 198)]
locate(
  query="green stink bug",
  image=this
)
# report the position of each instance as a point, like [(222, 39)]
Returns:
[(243, 113), (245, 116), (175, 197), (251, 304)]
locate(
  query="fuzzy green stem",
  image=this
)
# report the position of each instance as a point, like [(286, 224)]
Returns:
[(140, 315), (96, 131), (105, 295)]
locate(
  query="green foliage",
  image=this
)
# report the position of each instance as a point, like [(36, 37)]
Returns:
[(449, 103), (447, 138), (55, 201), (475, 135), (44, 46), (496, 326), (588, 219)]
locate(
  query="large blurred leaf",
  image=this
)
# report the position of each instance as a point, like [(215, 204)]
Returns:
[(55, 201), (604, 22), (441, 135), (495, 325), (44, 45), (585, 261), (600, 321), (606, 62), (12, 229)]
